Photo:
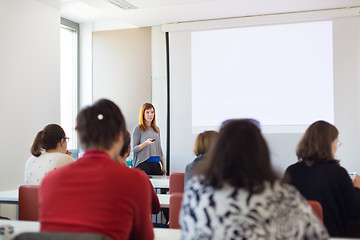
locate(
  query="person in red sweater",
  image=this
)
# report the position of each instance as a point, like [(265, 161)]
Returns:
[(96, 194)]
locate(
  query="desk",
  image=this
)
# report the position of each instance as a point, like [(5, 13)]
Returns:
[(9, 197), (164, 200), (159, 181), (12, 197), (27, 226), (160, 233), (166, 234)]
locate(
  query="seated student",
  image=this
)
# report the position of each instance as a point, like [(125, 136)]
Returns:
[(121, 158), (49, 151), (235, 194), (96, 194), (318, 176), (201, 146), (125, 150)]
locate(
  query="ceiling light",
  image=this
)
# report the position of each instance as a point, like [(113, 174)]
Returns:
[(122, 4)]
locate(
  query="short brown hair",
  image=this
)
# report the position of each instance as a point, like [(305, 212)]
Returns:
[(99, 125), (203, 142), (315, 145)]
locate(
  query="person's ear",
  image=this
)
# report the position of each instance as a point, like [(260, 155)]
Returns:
[(120, 137)]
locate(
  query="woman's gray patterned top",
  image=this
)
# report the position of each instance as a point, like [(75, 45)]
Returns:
[(277, 212)]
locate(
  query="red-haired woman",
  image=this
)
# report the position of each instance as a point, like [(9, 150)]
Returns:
[(146, 143)]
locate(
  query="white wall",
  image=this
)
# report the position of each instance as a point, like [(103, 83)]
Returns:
[(29, 81), (129, 67), (122, 70), (347, 90)]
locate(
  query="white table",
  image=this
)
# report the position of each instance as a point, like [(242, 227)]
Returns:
[(27, 226), (160, 233), (12, 197), (9, 197), (159, 181), (166, 234), (164, 200), (22, 226)]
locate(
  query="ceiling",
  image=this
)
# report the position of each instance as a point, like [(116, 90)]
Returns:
[(105, 15)]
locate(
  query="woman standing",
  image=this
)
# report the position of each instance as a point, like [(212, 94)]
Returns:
[(235, 194), (49, 151), (146, 143), (318, 176)]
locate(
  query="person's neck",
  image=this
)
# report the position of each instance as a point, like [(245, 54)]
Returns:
[(121, 160), (52, 151), (147, 124), (56, 150), (111, 152)]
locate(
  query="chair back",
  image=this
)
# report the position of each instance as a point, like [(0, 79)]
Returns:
[(317, 208), (174, 210), (28, 203), (176, 182)]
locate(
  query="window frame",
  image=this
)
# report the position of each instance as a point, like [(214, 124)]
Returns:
[(73, 25)]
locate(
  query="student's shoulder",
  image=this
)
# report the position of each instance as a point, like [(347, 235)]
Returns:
[(332, 166), (137, 128), (68, 157), (138, 175), (138, 180), (281, 186), (58, 155), (30, 159), (341, 171), (131, 174), (295, 166), (57, 174)]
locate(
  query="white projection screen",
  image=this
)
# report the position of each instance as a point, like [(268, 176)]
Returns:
[(285, 75), (281, 75)]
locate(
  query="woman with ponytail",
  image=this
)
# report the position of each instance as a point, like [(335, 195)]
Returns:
[(49, 151)]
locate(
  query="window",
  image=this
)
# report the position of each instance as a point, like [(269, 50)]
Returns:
[(69, 79)]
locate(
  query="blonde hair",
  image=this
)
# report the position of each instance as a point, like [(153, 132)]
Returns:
[(203, 142), (145, 107)]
